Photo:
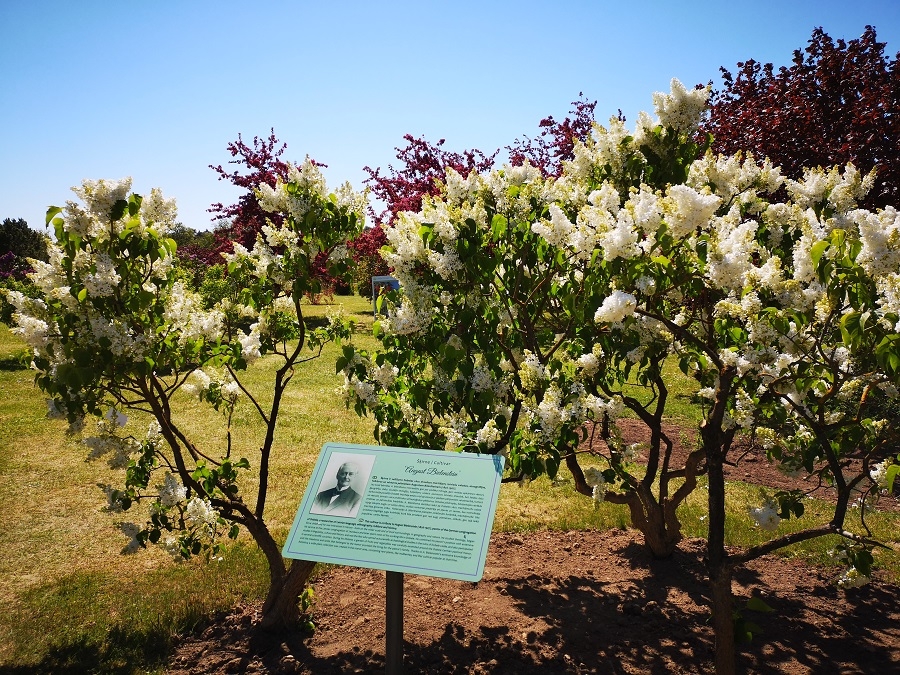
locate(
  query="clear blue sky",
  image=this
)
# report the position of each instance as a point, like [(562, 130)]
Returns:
[(156, 90)]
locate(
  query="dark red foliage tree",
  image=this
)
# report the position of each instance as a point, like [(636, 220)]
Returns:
[(423, 165), (839, 102), (259, 164), (556, 142), (366, 251), (243, 221)]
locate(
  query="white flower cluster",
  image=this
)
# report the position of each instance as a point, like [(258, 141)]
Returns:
[(131, 530), (853, 578), (532, 372), (616, 308), (489, 435), (682, 108), (116, 449), (223, 388), (251, 343), (589, 363), (308, 191), (878, 474), (184, 310), (766, 516), (595, 479), (689, 211), (171, 491), (611, 408), (199, 512), (105, 279)]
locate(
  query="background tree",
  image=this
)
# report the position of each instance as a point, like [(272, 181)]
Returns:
[(422, 170), (366, 251), (838, 103), (556, 142), (18, 242), (261, 164), (423, 166)]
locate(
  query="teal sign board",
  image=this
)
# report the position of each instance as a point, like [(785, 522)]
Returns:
[(398, 509)]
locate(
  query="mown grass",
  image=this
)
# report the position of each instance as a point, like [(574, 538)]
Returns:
[(72, 603)]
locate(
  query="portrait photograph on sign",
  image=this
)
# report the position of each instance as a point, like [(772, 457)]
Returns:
[(343, 484)]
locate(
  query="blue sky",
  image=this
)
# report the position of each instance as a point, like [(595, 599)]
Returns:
[(156, 91)]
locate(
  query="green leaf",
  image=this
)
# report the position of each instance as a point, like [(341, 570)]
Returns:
[(134, 204), (890, 475), (118, 210), (82, 295), (757, 604), (817, 250), (52, 211)]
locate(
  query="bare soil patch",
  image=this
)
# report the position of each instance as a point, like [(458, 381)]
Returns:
[(574, 602)]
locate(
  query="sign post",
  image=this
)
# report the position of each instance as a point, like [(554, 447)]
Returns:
[(393, 624), (401, 510)]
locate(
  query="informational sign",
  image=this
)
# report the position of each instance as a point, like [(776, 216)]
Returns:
[(398, 509), (382, 284)]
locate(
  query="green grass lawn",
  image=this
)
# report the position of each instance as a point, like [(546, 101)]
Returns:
[(71, 602)]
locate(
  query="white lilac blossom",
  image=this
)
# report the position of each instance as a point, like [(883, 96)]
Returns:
[(131, 530), (853, 578), (198, 384), (595, 479), (251, 343), (230, 390), (616, 307), (557, 230), (531, 371), (101, 195), (154, 431), (115, 416), (200, 512), (171, 491), (766, 516), (104, 281), (681, 108), (158, 211), (688, 210), (589, 364), (489, 435), (878, 473)]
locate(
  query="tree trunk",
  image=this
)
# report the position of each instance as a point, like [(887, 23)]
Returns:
[(723, 620), (656, 522), (715, 443), (285, 583), (661, 534), (280, 608)]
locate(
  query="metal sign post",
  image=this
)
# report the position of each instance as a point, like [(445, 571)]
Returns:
[(393, 624)]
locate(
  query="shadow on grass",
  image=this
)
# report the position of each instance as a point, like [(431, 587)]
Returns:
[(18, 361), (123, 652)]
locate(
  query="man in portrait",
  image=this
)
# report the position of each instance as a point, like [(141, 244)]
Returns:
[(342, 499)]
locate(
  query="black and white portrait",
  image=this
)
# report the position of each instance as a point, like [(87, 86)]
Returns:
[(343, 485)]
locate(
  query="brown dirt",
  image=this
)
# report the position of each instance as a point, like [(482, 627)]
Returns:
[(573, 602)]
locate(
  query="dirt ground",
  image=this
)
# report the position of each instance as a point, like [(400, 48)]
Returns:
[(573, 602)]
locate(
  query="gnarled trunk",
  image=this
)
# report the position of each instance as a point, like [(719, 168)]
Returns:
[(280, 608), (658, 522), (285, 582)]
